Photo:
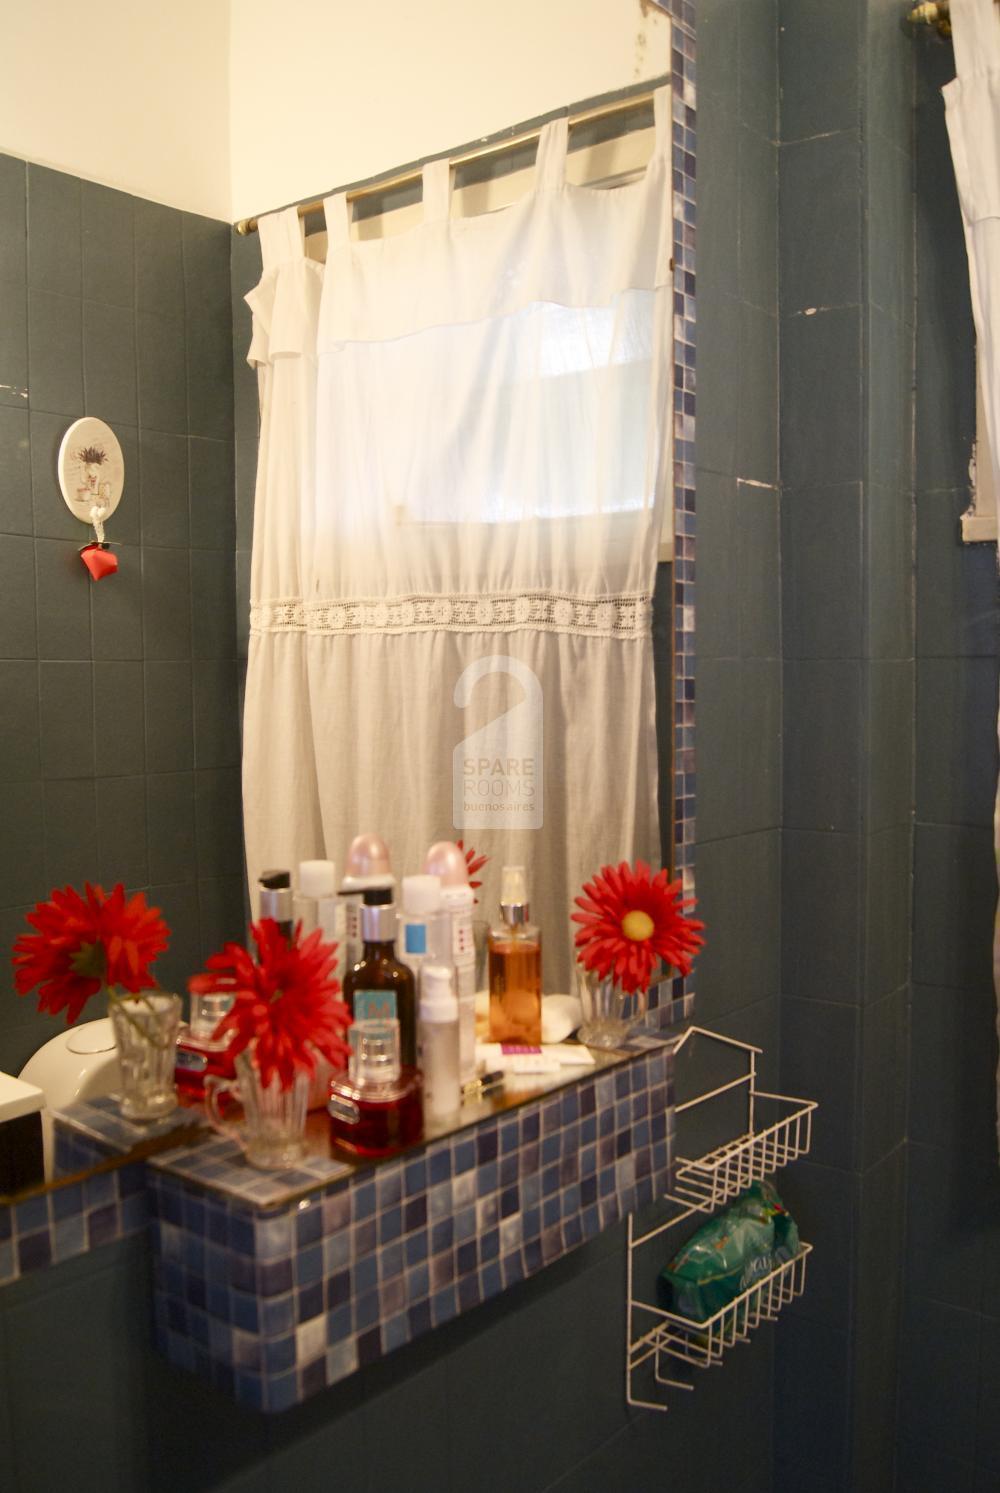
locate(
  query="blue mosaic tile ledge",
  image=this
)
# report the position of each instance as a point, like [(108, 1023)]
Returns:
[(275, 1305), (71, 1219)]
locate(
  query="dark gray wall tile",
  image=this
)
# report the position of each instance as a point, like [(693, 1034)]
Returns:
[(216, 712), (17, 597), (13, 220), (63, 600), (66, 702), (821, 226), (821, 420), (890, 82), (719, 772), (159, 263), (883, 1080), (953, 1076), (70, 832), (938, 1391), (922, 1469), (20, 749), (811, 1389), (242, 602), (890, 743), (166, 603), (760, 745), (116, 609), (164, 477), (954, 898), (758, 217), (52, 518), (719, 379), (824, 1203), (109, 361), (888, 905), (55, 353), (718, 194), (819, 1049), (890, 205), (54, 256), (219, 806), (889, 523), (957, 762), (819, 52), (213, 501), (758, 541), (757, 420), (719, 598), (822, 743), (108, 246), (22, 846), (162, 376), (14, 347), (209, 374), (821, 582), (15, 471), (987, 1422), (957, 607), (121, 812), (821, 913), (170, 827), (169, 715), (118, 718), (220, 910), (213, 604), (890, 399)]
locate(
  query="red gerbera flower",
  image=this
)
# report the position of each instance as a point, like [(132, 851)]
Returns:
[(285, 1001), (474, 863), (84, 943), (630, 920)]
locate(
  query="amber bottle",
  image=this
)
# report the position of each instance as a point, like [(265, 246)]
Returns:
[(380, 987)]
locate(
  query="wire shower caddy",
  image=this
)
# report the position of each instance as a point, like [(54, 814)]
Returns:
[(778, 1131)]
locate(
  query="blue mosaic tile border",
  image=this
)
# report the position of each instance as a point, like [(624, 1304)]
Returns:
[(274, 1306), (72, 1219)]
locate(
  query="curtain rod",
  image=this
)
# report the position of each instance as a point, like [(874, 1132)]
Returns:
[(499, 147)]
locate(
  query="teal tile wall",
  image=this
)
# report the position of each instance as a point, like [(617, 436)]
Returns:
[(119, 747)]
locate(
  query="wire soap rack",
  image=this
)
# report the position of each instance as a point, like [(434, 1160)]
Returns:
[(777, 1130)]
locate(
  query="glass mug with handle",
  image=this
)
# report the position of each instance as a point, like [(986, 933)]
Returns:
[(272, 1133)]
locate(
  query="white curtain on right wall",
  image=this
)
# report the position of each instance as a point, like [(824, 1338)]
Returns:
[(972, 105)]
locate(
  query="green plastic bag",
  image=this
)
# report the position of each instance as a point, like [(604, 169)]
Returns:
[(728, 1254)]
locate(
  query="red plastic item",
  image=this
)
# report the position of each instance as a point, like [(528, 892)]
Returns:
[(99, 560)]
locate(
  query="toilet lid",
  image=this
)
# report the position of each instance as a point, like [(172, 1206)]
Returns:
[(94, 1036)]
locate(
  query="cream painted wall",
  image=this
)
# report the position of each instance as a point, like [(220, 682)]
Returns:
[(324, 92), (132, 93)]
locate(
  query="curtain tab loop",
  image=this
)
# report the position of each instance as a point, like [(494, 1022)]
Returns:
[(550, 160), (282, 237), (437, 190), (337, 212)]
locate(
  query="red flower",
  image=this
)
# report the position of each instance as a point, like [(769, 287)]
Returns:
[(474, 863), (285, 1001), (84, 943), (630, 920)]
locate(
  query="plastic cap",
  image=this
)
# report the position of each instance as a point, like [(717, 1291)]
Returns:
[(275, 881), (368, 856), (421, 893), (513, 886), (374, 1052), (438, 1001), (445, 860), (317, 878)]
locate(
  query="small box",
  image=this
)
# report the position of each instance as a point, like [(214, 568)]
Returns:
[(22, 1158)]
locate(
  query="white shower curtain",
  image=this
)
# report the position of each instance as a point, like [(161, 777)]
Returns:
[(464, 461), (972, 107)]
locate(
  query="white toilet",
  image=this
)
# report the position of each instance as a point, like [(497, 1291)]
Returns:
[(79, 1063)]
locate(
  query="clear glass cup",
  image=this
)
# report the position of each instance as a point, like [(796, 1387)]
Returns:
[(272, 1133), (145, 1027), (608, 1013)]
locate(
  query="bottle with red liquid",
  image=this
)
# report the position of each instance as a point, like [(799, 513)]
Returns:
[(375, 1107)]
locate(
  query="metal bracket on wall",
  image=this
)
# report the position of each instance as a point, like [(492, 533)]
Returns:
[(662, 1346)]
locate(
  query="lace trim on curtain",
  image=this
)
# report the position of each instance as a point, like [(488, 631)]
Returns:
[(545, 611)]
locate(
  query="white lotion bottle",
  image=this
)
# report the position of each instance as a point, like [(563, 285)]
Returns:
[(423, 931), (317, 905), (438, 1043), (444, 859)]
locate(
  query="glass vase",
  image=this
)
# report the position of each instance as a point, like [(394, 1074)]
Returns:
[(145, 1027), (609, 1014), (274, 1119)]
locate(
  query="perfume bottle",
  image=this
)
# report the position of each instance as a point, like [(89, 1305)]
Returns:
[(274, 899), (375, 1106), (199, 1056), (515, 957), (380, 987)]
